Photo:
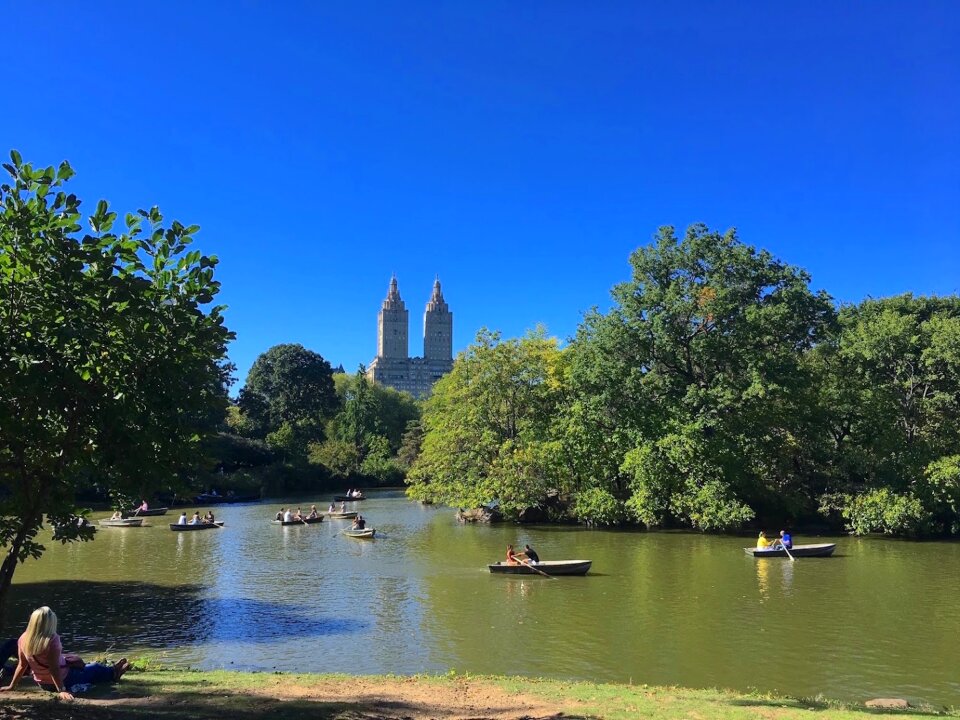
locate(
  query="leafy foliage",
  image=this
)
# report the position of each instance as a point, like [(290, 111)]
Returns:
[(489, 425), (111, 367)]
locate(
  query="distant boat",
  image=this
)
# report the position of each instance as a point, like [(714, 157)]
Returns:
[(347, 498), (126, 522), (548, 567), (207, 499), (365, 534), (824, 550), (305, 521), (348, 515), (199, 526), (146, 513)]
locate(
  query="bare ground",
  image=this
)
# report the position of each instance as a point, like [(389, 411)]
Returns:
[(289, 697)]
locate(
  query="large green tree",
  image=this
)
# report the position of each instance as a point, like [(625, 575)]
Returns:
[(488, 427), (694, 382), (891, 393), (288, 396), (111, 358)]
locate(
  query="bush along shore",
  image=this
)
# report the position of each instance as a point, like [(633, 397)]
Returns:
[(210, 695)]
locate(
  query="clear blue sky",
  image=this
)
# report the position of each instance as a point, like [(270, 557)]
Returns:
[(519, 150)]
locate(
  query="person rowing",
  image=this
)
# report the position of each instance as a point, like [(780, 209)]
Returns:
[(785, 541)]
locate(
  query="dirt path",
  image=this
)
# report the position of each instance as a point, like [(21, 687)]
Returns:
[(284, 696)]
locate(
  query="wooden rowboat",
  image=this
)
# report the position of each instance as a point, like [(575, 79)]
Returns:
[(823, 550), (348, 515), (146, 513), (199, 526), (126, 522), (305, 521), (347, 498), (549, 567), (365, 534)]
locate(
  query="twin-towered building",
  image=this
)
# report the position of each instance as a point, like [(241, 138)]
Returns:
[(393, 365)]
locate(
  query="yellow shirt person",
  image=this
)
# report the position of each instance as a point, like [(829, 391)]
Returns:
[(762, 541)]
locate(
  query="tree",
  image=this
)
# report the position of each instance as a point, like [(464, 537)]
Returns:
[(112, 363), (694, 380), (291, 385), (488, 431), (890, 387)]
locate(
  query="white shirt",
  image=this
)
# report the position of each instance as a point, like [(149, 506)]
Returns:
[(288, 516), (182, 520)]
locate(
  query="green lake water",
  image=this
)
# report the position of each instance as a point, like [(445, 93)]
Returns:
[(880, 618)]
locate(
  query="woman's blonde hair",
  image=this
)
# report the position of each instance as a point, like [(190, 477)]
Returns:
[(40, 630)]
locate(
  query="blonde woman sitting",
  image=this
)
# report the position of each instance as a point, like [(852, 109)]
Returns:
[(40, 650)]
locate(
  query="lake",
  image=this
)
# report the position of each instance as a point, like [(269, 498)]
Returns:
[(880, 618)]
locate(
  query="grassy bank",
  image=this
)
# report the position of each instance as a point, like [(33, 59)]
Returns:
[(218, 695)]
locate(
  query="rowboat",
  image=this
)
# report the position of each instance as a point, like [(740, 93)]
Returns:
[(207, 499), (824, 550), (146, 513), (365, 534), (347, 498), (126, 522), (305, 521), (548, 567), (199, 526), (342, 515)]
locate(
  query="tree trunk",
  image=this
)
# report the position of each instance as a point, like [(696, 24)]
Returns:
[(10, 562)]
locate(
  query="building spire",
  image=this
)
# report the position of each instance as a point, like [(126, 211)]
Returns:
[(393, 294)]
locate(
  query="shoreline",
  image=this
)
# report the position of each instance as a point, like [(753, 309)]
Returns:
[(159, 692)]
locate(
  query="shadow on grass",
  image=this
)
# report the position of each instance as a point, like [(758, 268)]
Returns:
[(95, 616)]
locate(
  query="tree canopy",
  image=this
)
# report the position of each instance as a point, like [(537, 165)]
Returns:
[(719, 390), (112, 361)]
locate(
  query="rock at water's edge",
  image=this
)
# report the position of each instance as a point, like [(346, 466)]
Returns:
[(887, 704)]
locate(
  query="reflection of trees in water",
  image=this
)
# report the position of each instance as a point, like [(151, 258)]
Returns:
[(97, 615)]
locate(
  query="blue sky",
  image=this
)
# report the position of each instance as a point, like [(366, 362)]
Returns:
[(519, 150)]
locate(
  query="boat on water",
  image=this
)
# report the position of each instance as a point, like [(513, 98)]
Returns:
[(305, 521), (153, 512), (547, 567), (365, 534), (125, 522), (347, 498), (347, 515), (207, 499), (199, 526), (822, 550)]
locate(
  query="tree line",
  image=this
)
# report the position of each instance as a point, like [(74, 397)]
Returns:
[(298, 424), (719, 391)]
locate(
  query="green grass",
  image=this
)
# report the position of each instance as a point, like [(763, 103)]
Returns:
[(222, 694)]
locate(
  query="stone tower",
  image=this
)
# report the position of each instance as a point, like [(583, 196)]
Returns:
[(437, 327), (392, 325), (392, 366)]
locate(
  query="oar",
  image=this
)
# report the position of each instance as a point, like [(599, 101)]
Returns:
[(523, 562), (787, 551)]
